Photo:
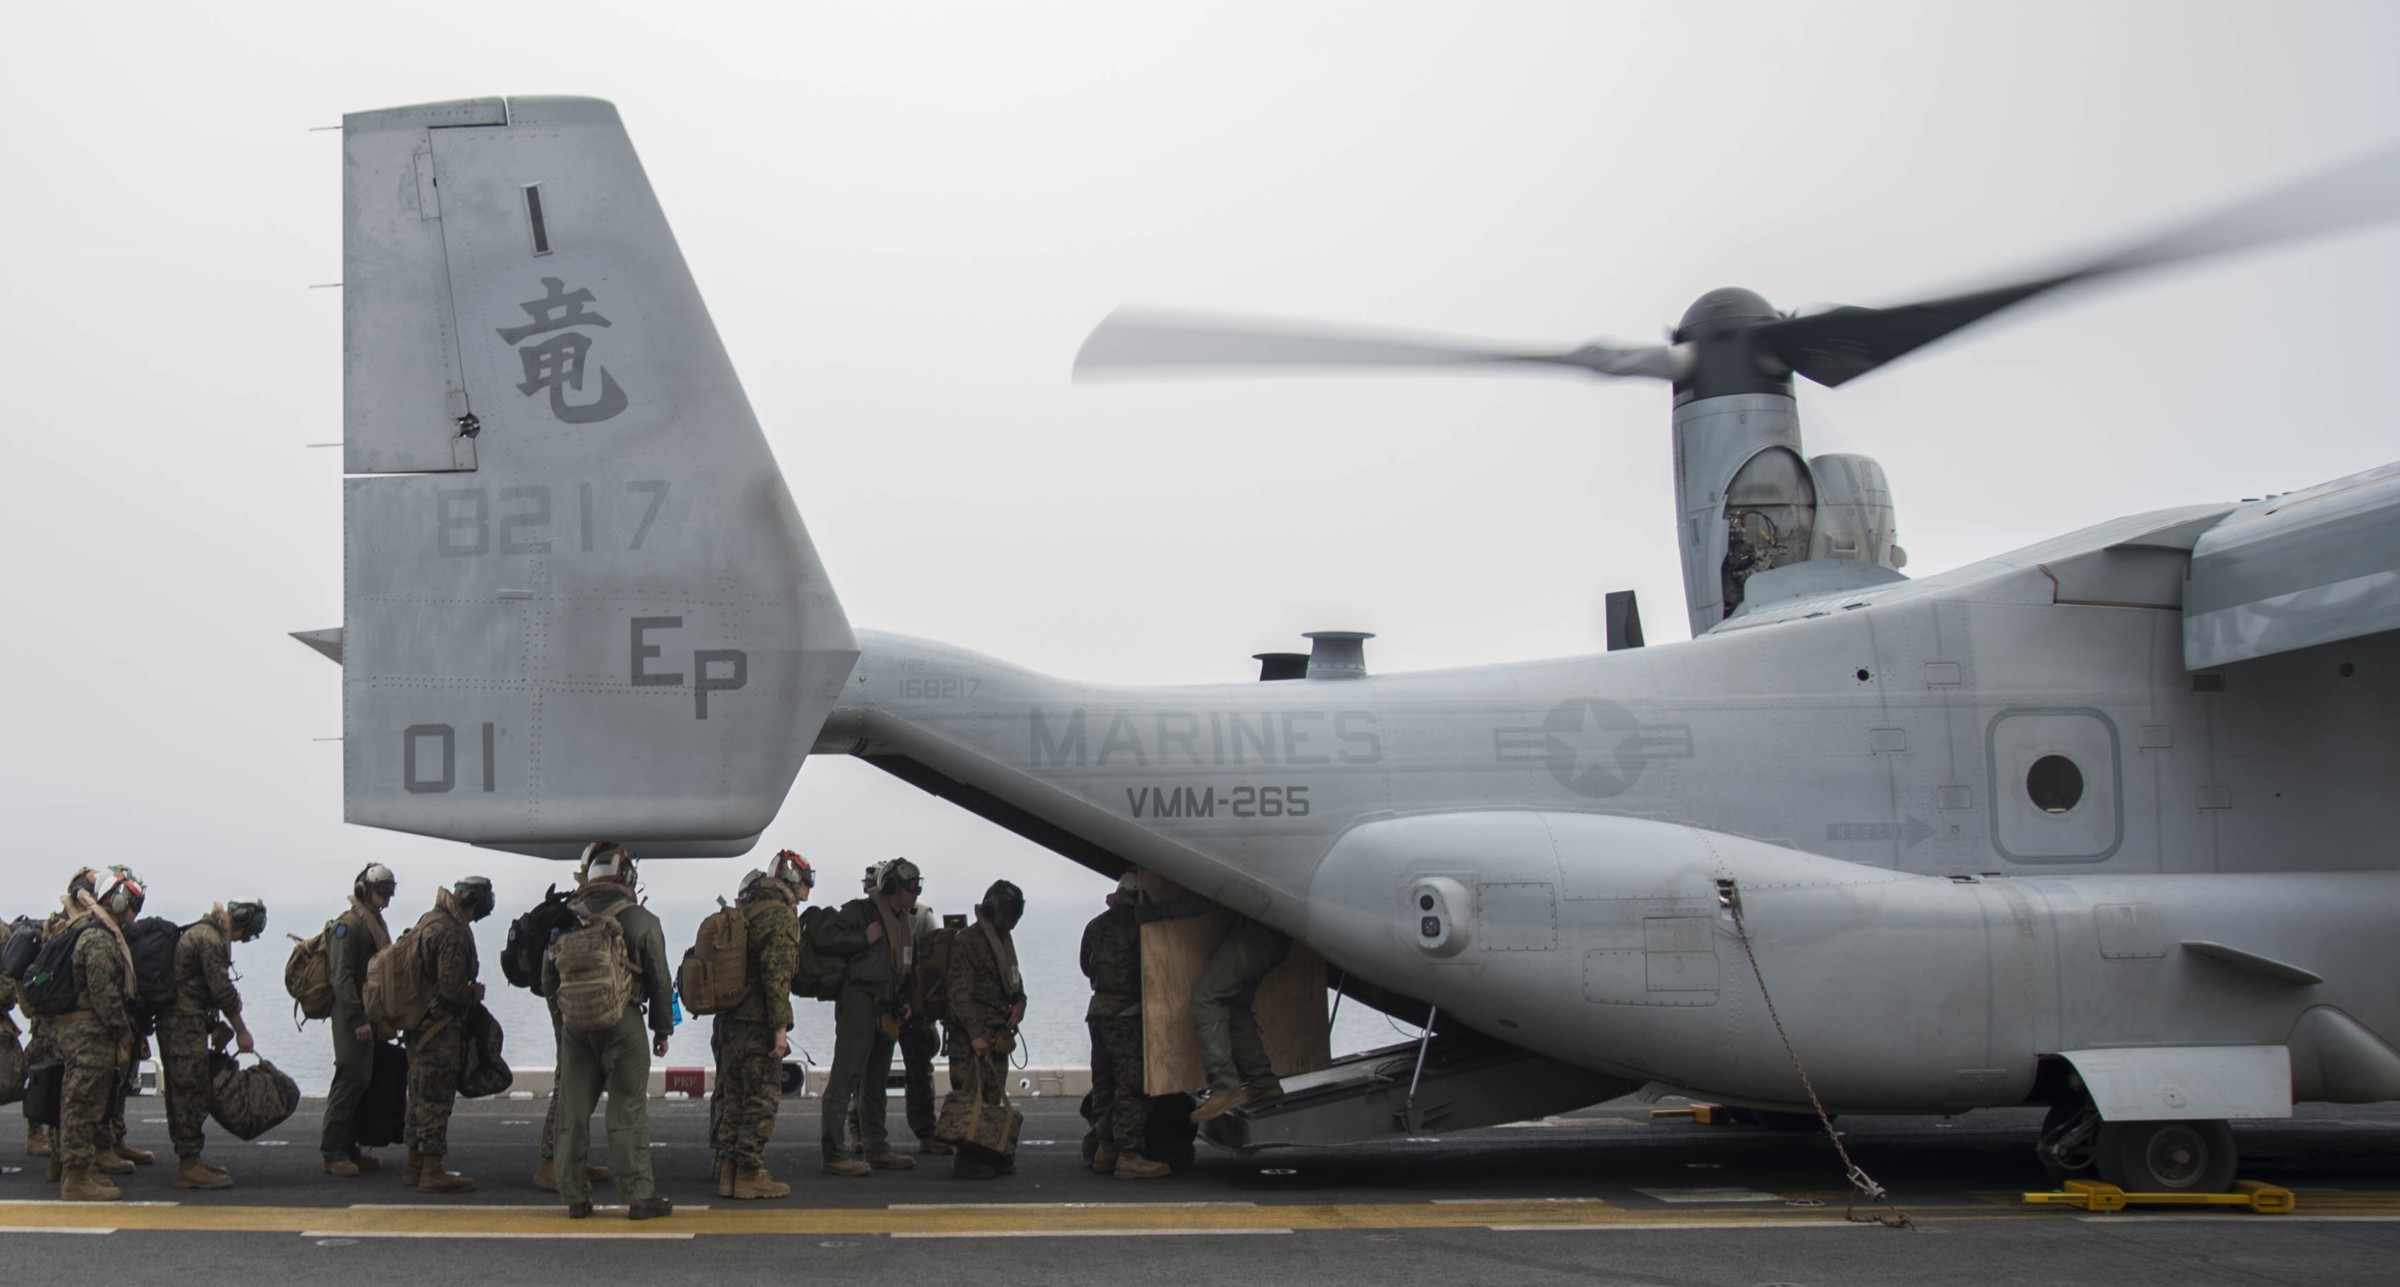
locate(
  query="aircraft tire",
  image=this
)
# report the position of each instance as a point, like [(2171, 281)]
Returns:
[(2166, 1157)]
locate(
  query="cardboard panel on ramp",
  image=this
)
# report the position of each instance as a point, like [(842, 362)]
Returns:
[(1290, 1006)]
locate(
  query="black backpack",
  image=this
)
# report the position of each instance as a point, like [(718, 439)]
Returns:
[(50, 981), (529, 936), (24, 941), (153, 940)]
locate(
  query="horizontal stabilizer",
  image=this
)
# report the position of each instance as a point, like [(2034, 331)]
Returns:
[(2294, 571), (328, 642)]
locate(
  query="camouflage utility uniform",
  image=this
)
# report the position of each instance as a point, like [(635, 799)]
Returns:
[(203, 990), (618, 1056), (95, 1039), (437, 1046), (749, 1076), (350, 943), (1112, 960), (987, 1000)]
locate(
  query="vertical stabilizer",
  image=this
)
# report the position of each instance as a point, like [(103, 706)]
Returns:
[(579, 601)]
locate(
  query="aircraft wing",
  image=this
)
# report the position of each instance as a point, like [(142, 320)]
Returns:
[(2293, 571)]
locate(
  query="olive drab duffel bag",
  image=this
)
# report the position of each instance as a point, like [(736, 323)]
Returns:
[(249, 1102), (485, 1072), (980, 1114)]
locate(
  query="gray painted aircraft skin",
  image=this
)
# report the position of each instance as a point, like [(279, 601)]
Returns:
[(580, 602)]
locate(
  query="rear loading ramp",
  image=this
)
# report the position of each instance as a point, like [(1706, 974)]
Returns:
[(1466, 1080)]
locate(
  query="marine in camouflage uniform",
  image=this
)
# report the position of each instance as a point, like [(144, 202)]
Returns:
[(1112, 960), (987, 1002), (437, 1049), (203, 991), (751, 1039), (351, 942), (96, 1041)]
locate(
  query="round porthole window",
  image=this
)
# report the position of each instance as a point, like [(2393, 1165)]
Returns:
[(2054, 784)]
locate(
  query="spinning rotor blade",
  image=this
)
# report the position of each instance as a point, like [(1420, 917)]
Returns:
[(1842, 344), (1135, 340)]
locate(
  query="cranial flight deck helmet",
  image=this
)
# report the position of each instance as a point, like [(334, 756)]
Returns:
[(123, 896), (248, 918), (896, 875), (1004, 904), (793, 870), (375, 878)]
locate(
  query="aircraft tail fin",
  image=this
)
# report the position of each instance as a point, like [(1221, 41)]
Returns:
[(578, 600)]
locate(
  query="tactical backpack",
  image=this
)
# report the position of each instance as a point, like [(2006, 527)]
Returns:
[(715, 974), (153, 940), (399, 989), (49, 986), (529, 936), (595, 974), (933, 972), (820, 974), (308, 975), (24, 942)]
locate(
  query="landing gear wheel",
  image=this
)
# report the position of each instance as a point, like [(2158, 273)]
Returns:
[(2070, 1136), (2166, 1157)]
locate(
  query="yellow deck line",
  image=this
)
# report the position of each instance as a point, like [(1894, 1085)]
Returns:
[(1008, 1220)]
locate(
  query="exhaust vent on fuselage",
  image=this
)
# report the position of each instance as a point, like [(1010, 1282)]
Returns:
[(1337, 654), (1280, 665)]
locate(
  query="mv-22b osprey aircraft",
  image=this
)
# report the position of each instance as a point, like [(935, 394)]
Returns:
[(2100, 824)]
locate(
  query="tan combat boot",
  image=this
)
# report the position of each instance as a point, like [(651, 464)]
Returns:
[(81, 1185), (52, 1170), (412, 1169), (109, 1163), (192, 1173), (754, 1182), (364, 1161), (137, 1156), (1105, 1161), (433, 1178), (888, 1160), (37, 1140), (545, 1176), (724, 1176), (1133, 1166), (847, 1166), (341, 1166)]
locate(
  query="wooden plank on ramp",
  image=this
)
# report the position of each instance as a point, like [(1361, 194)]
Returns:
[(1290, 1008)]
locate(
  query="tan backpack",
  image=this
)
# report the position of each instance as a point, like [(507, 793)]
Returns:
[(308, 975), (399, 989), (715, 974), (595, 973)]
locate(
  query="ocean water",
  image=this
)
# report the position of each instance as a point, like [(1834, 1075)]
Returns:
[(1047, 944)]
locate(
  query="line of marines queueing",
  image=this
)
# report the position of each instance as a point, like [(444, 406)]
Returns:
[(889, 970)]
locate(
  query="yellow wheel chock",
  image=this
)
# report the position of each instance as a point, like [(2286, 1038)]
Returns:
[(1697, 1114), (2092, 1195)]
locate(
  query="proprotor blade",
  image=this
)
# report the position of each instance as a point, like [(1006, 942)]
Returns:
[(1152, 342), (1844, 343)]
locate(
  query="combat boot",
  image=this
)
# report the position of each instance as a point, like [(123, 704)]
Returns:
[(847, 1166), (137, 1156), (943, 1148), (108, 1163), (192, 1173), (81, 1185), (1105, 1161), (754, 1182), (432, 1178), (37, 1140), (52, 1170), (1225, 1101), (724, 1176), (887, 1160), (545, 1176), (411, 1170), (341, 1166), (1133, 1166), (365, 1161)]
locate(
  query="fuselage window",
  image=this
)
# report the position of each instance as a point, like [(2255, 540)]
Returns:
[(2054, 784)]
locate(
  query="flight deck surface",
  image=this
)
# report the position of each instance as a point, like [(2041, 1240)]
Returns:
[(1604, 1195)]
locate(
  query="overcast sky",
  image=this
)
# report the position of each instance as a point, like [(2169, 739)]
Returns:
[(906, 218)]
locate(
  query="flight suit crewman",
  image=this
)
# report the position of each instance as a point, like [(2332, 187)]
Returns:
[(874, 934), (437, 1046), (354, 939), (751, 1039), (1231, 1049), (987, 1002), (918, 1042), (619, 1055), (1112, 960), (96, 1038), (203, 991)]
